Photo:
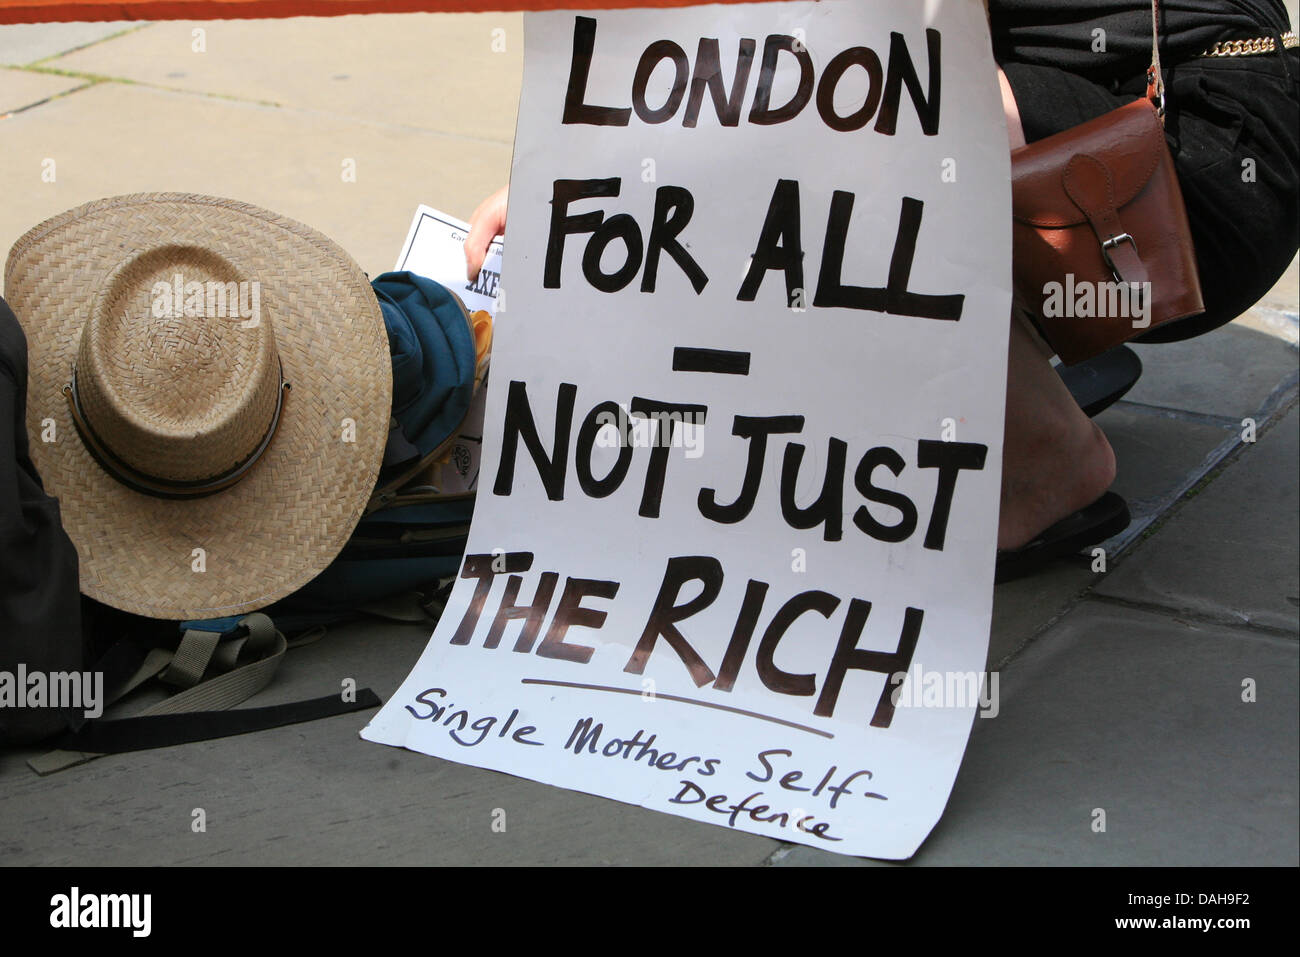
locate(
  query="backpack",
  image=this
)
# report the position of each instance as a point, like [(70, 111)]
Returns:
[(40, 620), (399, 562)]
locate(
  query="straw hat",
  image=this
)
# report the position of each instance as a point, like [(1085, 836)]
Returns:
[(219, 382)]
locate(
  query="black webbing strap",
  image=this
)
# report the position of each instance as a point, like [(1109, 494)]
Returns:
[(121, 735)]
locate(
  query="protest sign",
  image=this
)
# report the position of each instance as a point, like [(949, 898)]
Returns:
[(733, 551)]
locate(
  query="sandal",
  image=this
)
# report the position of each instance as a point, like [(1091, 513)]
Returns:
[(1105, 517), (1098, 383)]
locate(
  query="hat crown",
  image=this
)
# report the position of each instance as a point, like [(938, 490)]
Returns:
[(177, 372)]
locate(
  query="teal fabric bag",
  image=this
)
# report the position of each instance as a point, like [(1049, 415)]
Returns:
[(431, 341)]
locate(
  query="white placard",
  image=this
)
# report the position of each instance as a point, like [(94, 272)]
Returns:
[(694, 626)]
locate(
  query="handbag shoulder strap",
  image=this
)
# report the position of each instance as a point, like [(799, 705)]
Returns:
[(1155, 81)]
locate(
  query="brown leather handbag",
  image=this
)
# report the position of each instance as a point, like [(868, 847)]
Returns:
[(1101, 247)]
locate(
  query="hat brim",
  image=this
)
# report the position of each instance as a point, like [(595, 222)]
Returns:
[(283, 522)]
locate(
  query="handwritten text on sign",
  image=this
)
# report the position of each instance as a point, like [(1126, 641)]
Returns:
[(743, 437)]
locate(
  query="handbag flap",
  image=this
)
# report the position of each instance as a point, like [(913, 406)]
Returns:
[(1127, 141)]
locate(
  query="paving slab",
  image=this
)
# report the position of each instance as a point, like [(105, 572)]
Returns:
[(457, 73), (1023, 607), (24, 43), (1230, 553), (1228, 373), (1283, 324), (1141, 716), (111, 139), (1159, 455), (21, 89), (316, 794)]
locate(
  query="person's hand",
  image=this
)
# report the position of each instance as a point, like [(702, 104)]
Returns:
[(487, 223)]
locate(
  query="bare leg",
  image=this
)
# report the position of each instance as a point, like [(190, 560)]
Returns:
[(1054, 458)]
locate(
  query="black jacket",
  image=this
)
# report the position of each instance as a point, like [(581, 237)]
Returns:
[(1061, 33), (40, 612)]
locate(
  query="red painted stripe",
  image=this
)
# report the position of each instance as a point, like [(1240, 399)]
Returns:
[(41, 11)]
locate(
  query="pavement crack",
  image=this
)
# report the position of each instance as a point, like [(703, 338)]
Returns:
[(1186, 415), (1191, 616), (86, 46), (48, 99), (96, 79)]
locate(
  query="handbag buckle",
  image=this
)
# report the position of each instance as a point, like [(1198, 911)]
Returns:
[(1156, 92), (1109, 244)]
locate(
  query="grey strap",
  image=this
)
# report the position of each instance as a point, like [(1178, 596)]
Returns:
[(251, 660), (192, 658), (241, 682)]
